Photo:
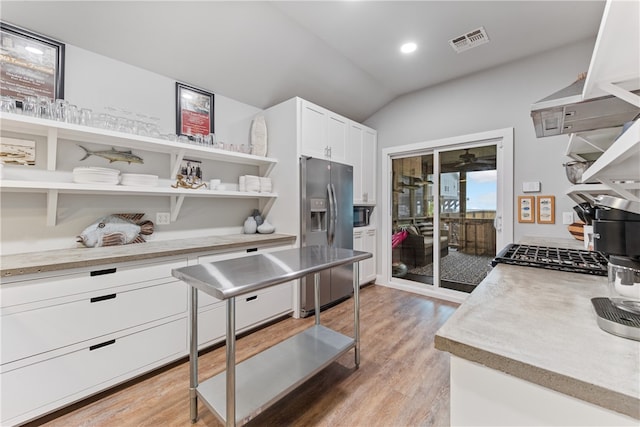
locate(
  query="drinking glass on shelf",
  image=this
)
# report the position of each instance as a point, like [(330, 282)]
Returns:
[(7, 104), (71, 114), (122, 125), (184, 139), (30, 106), (43, 108), (110, 122), (198, 139), (59, 109), (153, 127), (86, 117), (141, 128)]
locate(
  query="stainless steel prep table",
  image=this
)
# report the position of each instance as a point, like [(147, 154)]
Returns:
[(243, 391)]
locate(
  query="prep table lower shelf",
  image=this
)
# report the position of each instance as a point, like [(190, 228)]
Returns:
[(268, 376)]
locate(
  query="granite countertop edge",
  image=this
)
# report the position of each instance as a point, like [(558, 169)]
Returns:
[(62, 259), (488, 329), (600, 396)]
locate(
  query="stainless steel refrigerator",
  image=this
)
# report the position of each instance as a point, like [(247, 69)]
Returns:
[(326, 220)]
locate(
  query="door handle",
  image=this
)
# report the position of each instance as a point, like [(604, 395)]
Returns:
[(335, 212), (497, 223), (331, 227), (102, 298), (103, 344)]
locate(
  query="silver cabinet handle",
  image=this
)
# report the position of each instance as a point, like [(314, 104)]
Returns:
[(332, 220)]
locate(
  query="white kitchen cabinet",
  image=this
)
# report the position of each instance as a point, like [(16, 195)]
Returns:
[(323, 133), (251, 310), (613, 71), (364, 239), (68, 335), (54, 182), (362, 154)]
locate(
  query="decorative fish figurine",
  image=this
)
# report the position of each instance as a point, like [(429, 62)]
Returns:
[(116, 229), (113, 155)]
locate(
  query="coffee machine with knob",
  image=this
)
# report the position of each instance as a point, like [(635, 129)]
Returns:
[(616, 233)]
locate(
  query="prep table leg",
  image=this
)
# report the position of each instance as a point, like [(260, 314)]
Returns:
[(193, 356), (231, 362), (356, 310), (316, 296)]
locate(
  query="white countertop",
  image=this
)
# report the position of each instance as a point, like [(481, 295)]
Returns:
[(540, 325), (54, 260)]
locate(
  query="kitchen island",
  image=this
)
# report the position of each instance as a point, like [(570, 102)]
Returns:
[(526, 350)]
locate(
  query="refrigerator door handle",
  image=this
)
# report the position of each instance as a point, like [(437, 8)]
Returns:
[(331, 232), (334, 214)]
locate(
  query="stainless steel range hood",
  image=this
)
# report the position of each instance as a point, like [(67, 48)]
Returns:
[(567, 112)]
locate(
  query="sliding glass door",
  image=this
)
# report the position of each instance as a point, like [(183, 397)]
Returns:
[(446, 204), (468, 195)]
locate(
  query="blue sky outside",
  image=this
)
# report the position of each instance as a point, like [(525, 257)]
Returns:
[(482, 190)]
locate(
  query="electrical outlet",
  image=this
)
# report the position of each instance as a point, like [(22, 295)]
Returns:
[(567, 218), (163, 218)]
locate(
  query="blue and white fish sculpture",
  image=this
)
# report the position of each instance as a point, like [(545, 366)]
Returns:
[(116, 229)]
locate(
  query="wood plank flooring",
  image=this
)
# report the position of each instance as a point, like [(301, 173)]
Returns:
[(402, 380)]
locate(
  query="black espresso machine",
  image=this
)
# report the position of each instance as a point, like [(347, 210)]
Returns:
[(616, 233)]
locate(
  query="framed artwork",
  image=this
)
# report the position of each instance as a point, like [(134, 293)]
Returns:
[(526, 208), (546, 210), (30, 64), (17, 151), (194, 111)]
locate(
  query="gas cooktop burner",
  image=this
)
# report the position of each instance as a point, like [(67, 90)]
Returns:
[(571, 260)]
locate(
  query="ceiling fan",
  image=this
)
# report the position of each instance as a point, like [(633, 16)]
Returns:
[(469, 161)]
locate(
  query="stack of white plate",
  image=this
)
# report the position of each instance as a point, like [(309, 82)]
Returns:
[(252, 183), (139, 179), (265, 185), (95, 175)]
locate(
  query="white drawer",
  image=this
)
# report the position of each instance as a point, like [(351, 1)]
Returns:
[(41, 387), (212, 326), (251, 310), (255, 308), (91, 315), (56, 286)]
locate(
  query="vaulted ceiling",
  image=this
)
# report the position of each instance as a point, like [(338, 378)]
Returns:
[(343, 55)]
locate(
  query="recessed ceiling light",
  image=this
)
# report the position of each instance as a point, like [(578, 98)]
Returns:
[(408, 47), (34, 50)]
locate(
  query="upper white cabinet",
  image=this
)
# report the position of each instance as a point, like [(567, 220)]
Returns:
[(324, 134), (54, 181), (361, 153), (614, 70)]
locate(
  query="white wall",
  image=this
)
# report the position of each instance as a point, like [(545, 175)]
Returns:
[(95, 81), (496, 99)]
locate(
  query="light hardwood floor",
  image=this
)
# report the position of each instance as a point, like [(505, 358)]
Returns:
[(402, 380)]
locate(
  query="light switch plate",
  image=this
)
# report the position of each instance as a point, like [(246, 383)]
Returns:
[(531, 187), (567, 218)]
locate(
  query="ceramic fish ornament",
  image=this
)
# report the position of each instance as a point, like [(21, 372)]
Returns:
[(116, 229), (113, 155)]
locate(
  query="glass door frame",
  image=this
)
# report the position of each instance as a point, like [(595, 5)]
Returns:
[(503, 139)]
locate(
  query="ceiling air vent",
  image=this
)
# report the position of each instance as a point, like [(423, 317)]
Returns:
[(469, 40)]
